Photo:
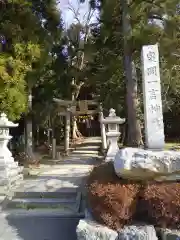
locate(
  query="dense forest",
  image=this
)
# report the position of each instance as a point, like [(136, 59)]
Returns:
[(42, 59)]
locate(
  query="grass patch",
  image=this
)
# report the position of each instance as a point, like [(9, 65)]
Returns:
[(171, 145)]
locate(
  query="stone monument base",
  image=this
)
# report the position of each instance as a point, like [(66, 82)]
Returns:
[(10, 176), (113, 146), (89, 229), (139, 164), (10, 172)]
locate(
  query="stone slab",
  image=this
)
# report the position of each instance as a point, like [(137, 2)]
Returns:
[(90, 230), (167, 234), (135, 163), (153, 113), (63, 192), (135, 232), (41, 212), (54, 178)]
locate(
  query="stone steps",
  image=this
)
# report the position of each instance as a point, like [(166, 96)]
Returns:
[(42, 203), (65, 202), (45, 213), (88, 147), (67, 193)]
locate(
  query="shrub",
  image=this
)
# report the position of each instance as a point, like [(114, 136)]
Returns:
[(116, 202)]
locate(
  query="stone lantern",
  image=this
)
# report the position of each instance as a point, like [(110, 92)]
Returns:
[(9, 169), (113, 133)]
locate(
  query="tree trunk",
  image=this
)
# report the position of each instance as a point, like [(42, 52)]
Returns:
[(76, 134), (28, 133), (134, 137), (67, 132)]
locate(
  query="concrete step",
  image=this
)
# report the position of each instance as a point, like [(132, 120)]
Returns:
[(64, 213), (63, 202), (86, 148), (82, 151), (40, 223), (83, 155), (41, 203), (65, 193)]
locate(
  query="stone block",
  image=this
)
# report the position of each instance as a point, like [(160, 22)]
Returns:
[(167, 234), (90, 230), (135, 163), (88, 215), (142, 232)]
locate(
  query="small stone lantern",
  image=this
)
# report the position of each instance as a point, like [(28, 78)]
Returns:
[(9, 170), (112, 122)]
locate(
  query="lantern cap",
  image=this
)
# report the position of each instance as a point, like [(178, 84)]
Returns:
[(112, 118), (112, 112), (4, 122)]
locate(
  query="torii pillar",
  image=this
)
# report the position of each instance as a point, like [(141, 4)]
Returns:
[(67, 130)]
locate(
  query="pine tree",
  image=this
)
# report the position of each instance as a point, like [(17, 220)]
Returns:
[(144, 29), (29, 32)]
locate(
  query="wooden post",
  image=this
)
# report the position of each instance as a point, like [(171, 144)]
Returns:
[(103, 130), (28, 130), (67, 131), (54, 148)]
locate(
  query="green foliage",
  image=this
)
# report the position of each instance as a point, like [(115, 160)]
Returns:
[(51, 74), (107, 69), (165, 32), (12, 86), (28, 32)]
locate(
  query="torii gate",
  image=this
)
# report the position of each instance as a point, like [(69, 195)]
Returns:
[(68, 108)]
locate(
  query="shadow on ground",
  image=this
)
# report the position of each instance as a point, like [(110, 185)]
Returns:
[(43, 228), (86, 152)]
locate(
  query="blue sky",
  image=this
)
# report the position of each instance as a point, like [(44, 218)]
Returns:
[(67, 14)]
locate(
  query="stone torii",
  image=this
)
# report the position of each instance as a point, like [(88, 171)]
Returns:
[(68, 108)]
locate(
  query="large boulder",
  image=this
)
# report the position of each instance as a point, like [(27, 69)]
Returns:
[(133, 232), (135, 163), (91, 230), (169, 234)]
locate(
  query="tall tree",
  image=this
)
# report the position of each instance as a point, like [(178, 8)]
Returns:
[(78, 35), (20, 48), (26, 49), (137, 20), (30, 31)]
